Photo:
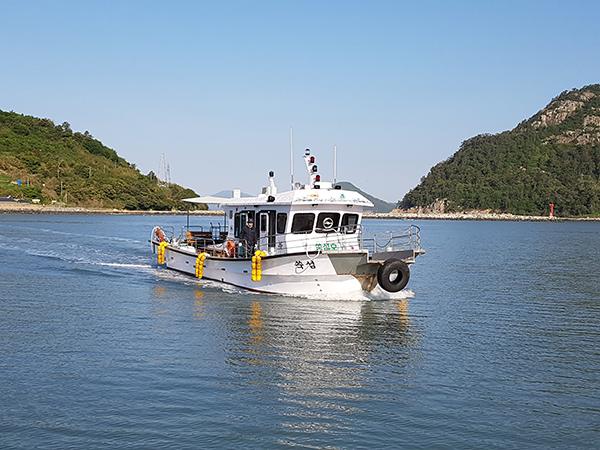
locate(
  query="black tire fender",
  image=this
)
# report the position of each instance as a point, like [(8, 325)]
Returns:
[(393, 275)]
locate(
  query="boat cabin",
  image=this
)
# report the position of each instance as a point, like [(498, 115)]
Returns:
[(297, 221), (313, 217)]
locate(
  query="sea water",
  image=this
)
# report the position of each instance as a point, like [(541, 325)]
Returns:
[(494, 344)]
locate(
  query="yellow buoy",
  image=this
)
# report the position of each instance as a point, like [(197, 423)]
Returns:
[(257, 265), (200, 264), (161, 252)]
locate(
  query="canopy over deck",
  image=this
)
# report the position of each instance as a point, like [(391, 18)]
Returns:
[(207, 199)]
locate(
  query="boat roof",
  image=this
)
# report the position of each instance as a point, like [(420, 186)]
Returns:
[(295, 197), (209, 199)]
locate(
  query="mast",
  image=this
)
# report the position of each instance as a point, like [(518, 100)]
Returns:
[(292, 155), (311, 168), (334, 165)]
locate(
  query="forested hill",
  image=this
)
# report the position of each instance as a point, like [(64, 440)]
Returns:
[(54, 163), (553, 157)]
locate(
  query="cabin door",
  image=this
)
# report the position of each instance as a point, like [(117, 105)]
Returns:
[(266, 230)]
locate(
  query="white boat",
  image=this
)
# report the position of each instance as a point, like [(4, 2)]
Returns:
[(309, 240)]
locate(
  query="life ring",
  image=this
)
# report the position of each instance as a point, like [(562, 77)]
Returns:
[(229, 249), (160, 235), (393, 275)]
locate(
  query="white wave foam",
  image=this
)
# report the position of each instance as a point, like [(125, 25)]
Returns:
[(174, 276), (135, 266), (376, 294)]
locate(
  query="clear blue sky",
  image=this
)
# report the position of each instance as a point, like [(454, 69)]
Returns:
[(396, 85)]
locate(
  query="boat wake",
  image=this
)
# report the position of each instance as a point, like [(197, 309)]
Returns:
[(89, 259), (47, 233), (79, 255)]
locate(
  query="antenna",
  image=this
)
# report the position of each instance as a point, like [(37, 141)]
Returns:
[(334, 165), (292, 155), (164, 172)]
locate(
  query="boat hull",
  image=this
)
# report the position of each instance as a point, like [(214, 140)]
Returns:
[(295, 274)]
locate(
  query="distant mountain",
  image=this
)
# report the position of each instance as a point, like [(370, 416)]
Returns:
[(381, 206), (39, 159), (550, 158)]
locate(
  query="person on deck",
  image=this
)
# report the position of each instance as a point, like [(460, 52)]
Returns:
[(248, 238)]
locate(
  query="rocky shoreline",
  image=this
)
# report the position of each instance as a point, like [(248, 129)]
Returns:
[(475, 216), (16, 208)]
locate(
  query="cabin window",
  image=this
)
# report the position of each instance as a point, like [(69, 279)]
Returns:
[(267, 226), (303, 223), (281, 221), (263, 223), (349, 223), (236, 225), (327, 222)]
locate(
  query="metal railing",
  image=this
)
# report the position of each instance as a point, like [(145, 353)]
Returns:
[(210, 241), (214, 241), (162, 233), (388, 241)]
